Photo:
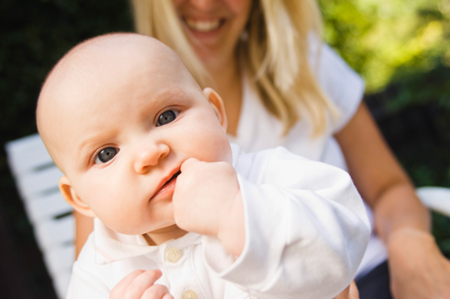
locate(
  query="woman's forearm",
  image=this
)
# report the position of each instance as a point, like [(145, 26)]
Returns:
[(398, 208), (379, 177)]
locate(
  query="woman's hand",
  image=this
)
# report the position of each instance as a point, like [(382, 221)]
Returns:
[(350, 292), (417, 267), (140, 284)]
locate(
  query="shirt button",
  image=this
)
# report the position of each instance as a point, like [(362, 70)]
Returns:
[(190, 295), (173, 255)]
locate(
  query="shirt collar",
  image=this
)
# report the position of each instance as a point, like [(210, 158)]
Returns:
[(111, 246)]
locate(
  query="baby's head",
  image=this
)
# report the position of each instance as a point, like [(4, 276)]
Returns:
[(119, 114)]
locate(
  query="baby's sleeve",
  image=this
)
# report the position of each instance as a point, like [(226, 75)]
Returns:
[(306, 231)]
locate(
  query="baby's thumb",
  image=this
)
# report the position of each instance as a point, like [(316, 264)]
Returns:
[(188, 163)]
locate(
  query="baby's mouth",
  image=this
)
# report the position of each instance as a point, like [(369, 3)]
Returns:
[(171, 179), (168, 186)]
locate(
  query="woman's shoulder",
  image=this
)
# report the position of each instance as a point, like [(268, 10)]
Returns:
[(333, 73), (340, 83)]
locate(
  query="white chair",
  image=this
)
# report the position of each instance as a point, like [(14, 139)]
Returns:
[(37, 181)]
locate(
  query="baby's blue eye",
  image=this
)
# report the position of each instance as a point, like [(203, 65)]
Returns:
[(167, 117), (105, 155)]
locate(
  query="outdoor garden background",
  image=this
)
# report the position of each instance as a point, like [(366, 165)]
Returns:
[(401, 48)]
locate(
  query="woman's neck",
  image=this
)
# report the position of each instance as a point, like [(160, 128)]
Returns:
[(228, 84)]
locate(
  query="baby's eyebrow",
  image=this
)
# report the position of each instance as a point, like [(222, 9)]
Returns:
[(163, 99), (172, 91), (82, 152), (86, 147)]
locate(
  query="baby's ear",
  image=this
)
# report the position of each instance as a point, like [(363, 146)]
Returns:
[(72, 198), (217, 104)]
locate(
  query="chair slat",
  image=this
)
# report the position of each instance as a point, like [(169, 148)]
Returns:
[(52, 232), (35, 183), (26, 154), (435, 198), (61, 283), (47, 206), (60, 258)]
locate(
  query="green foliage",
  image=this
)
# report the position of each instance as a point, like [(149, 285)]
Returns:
[(415, 87), (377, 37)]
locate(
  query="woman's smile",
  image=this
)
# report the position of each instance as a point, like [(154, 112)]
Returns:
[(203, 26)]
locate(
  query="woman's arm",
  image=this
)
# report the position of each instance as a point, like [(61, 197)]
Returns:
[(417, 268), (380, 179), (83, 227)]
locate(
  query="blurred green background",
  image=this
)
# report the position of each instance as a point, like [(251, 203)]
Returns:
[(401, 48)]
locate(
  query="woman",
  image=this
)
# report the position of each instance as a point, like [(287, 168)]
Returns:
[(282, 87)]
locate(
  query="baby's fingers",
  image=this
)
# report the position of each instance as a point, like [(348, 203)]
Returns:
[(120, 288), (135, 284), (141, 283), (188, 163), (157, 291)]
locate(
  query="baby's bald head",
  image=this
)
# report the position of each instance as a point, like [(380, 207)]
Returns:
[(100, 64)]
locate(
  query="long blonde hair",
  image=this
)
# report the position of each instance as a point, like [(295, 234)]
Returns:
[(275, 54)]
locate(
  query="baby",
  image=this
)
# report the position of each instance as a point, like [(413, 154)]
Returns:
[(144, 150)]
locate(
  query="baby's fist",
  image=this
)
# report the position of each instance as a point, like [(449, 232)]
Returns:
[(204, 196)]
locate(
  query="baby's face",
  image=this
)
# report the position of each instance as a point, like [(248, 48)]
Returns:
[(122, 132)]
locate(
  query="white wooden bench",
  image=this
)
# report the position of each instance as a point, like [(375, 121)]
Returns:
[(37, 181)]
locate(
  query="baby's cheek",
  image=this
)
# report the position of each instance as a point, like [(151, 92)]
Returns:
[(100, 198), (209, 143), (220, 149)]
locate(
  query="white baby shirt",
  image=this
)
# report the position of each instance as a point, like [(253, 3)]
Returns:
[(306, 231)]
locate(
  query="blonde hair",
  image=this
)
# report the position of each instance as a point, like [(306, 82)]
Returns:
[(274, 54)]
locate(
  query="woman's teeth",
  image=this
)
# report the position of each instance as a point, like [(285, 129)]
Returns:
[(202, 26)]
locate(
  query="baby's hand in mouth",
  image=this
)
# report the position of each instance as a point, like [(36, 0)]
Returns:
[(204, 196)]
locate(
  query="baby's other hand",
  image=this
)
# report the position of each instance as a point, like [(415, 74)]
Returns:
[(207, 201), (140, 285)]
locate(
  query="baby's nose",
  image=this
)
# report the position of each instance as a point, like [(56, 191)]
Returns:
[(150, 156)]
